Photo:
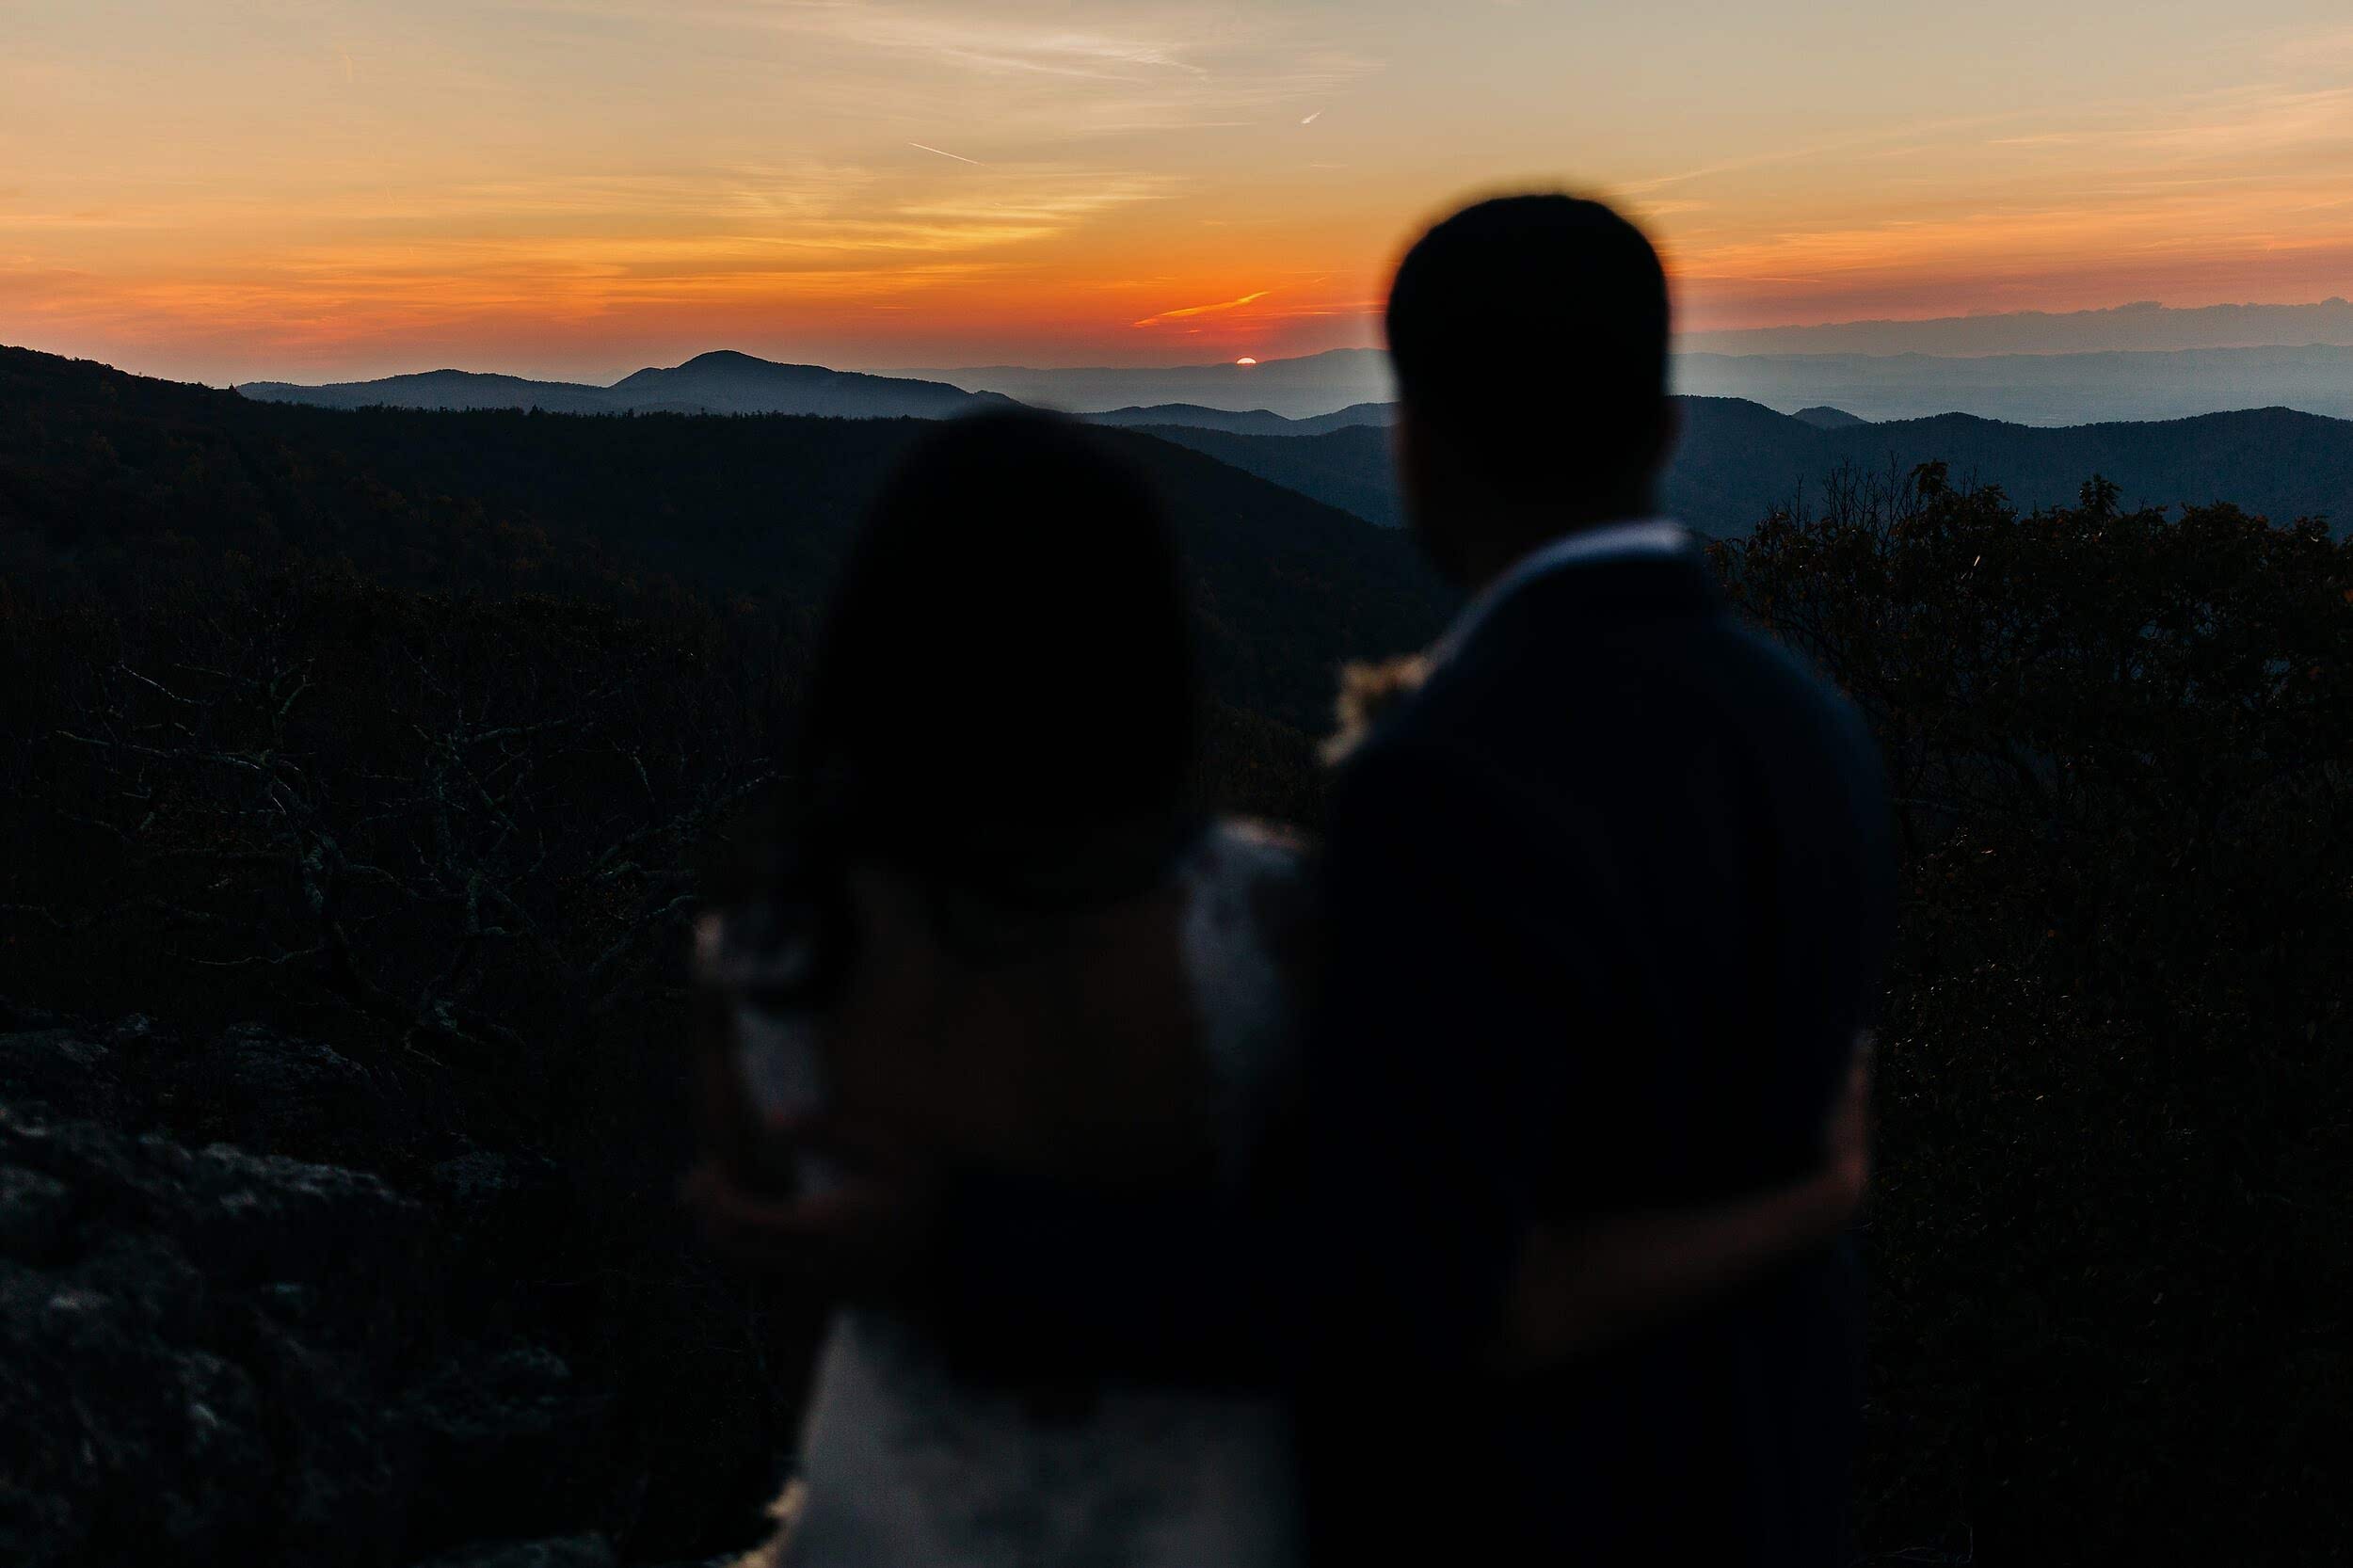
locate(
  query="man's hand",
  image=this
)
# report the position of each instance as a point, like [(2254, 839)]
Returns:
[(1576, 1290)]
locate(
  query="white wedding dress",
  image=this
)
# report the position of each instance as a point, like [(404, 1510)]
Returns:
[(904, 1466)]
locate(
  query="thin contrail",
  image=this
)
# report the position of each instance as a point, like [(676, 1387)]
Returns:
[(1311, 118), (945, 154)]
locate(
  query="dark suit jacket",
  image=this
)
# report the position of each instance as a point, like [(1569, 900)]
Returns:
[(1606, 904)]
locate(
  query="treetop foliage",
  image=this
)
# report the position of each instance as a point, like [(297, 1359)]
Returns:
[(2109, 1241)]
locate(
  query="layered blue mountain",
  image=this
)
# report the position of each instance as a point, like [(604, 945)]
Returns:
[(1823, 417), (1246, 421), (1739, 460), (1347, 388), (2143, 325), (2036, 389), (725, 383), (1239, 422), (721, 382)]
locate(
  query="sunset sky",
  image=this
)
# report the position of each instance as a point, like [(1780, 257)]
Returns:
[(575, 188)]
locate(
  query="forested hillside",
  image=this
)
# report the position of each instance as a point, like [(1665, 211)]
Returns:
[(101, 473)]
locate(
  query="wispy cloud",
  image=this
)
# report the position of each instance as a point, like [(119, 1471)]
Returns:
[(1151, 65), (926, 147), (1810, 151), (1204, 310), (989, 44), (373, 265), (732, 162)]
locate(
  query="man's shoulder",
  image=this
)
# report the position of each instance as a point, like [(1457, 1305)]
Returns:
[(1648, 628), (1575, 616), (1440, 786), (1591, 688), (1550, 673)]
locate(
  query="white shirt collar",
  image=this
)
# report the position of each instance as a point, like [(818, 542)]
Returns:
[(1613, 542)]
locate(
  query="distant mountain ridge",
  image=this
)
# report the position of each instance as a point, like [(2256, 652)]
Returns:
[(1320, 392), (1738, 460), (1249, 422), (437, 389), (2144, 325), (721, 382), (2120, 387), (1246, 421), (1823, 417)]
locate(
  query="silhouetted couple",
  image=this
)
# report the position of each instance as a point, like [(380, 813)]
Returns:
[(1468, 1187)]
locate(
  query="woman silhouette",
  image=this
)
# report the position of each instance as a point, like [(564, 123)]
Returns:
[(1003, 885)]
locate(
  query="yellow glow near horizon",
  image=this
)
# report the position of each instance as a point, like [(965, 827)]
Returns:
[(318, 189)]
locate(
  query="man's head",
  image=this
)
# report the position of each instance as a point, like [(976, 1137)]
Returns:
[(1529, 337)]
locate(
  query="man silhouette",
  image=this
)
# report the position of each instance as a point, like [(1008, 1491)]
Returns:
[(1605, 906)]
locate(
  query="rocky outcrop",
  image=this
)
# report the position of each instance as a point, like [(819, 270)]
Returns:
[(213, 1354), (191, 1341)]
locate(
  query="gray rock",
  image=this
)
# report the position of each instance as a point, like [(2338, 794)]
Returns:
[(506, 1432), (34, 1209), (260, 1089), (257, 1307), (154, 1404), (60, 1070)]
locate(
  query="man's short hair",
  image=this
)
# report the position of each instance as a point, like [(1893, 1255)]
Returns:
[(1531, 331)]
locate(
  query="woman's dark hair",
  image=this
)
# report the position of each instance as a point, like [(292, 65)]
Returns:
[(1004, 703)]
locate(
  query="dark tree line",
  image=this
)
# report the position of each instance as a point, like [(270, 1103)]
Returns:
[(474, 822), (2110, 1244), (451, 818)]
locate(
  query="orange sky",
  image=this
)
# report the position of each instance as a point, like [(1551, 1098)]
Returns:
[(315, 190)]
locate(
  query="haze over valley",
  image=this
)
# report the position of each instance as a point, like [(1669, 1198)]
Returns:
[(2025, 388)]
